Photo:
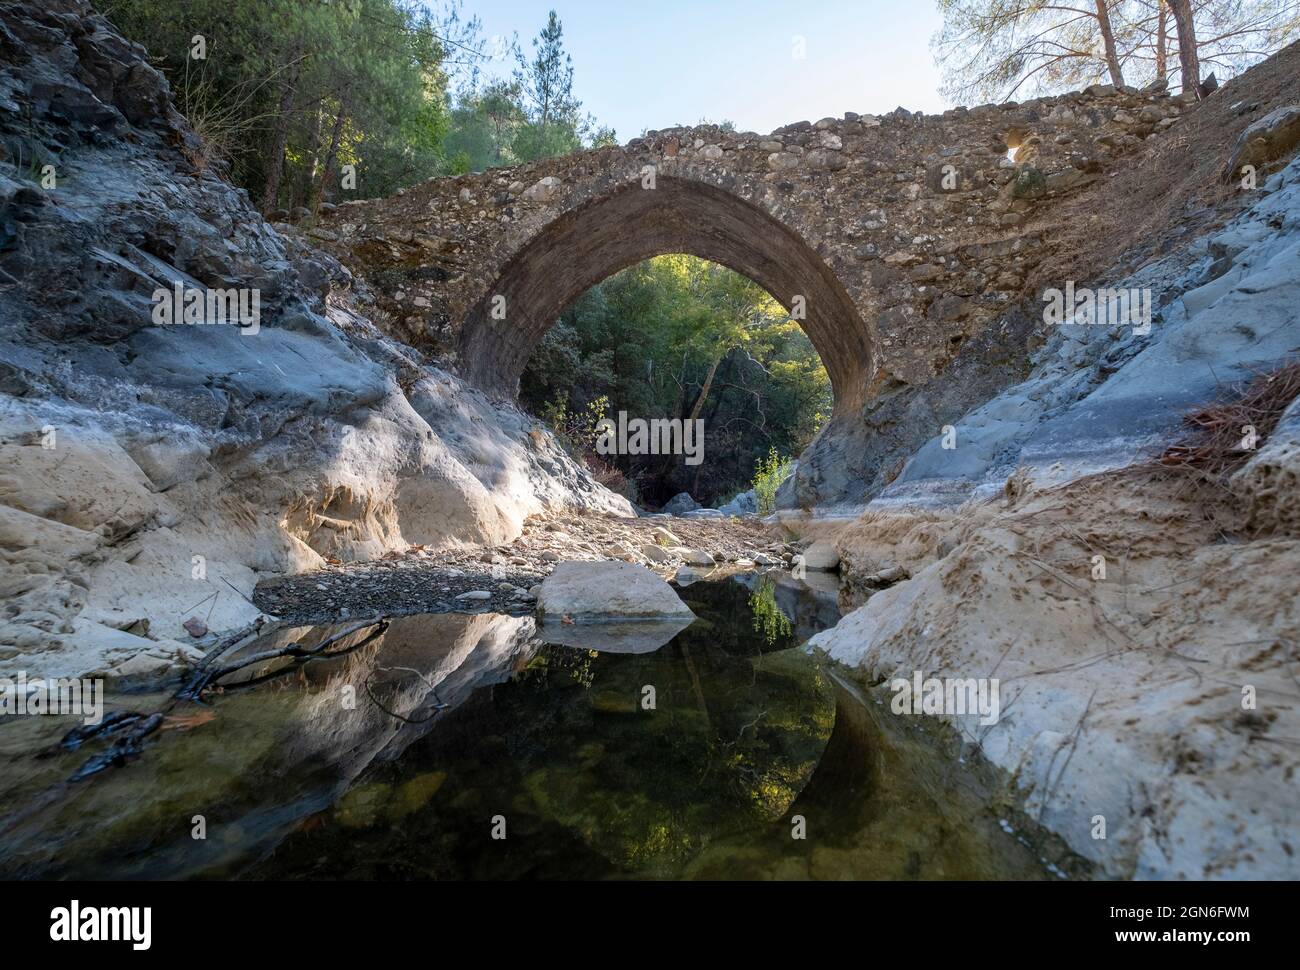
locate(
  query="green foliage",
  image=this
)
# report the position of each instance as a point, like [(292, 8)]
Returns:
[(768, 476), (677, 336), (533, 114), (575, 429), (289, 91), (769, 621)]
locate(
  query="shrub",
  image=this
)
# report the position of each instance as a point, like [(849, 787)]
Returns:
[(768, 476)]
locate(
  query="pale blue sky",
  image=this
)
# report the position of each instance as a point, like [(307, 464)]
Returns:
[(659, 63)]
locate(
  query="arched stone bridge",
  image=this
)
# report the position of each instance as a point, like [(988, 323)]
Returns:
[(904, 235)]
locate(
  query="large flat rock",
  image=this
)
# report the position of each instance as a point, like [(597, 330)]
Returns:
[(595, 592)]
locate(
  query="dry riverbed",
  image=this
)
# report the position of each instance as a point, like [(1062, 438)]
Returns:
[(498, 578)]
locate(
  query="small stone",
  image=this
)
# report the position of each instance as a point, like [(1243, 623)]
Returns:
[(543, 190), (693, 557)]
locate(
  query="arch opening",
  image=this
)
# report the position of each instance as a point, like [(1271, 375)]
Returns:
[(598, 239), (675, 351)]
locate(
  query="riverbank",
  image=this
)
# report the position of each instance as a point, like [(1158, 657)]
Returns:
[(499, 577)]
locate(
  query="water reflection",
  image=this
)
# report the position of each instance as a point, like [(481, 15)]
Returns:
[(638, 636), (628, 756)]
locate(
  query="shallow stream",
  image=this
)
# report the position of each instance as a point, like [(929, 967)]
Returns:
[(466, 747)]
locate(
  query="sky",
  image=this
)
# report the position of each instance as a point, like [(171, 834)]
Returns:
[(649, 64)]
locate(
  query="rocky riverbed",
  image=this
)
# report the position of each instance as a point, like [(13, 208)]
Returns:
[(501, 578)]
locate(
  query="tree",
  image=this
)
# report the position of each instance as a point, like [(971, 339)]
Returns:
[(1108, 42), (999, 49), (1162, 39), (555, 123), (1188, 62), (991, 49), (288, 90), (532, 114)]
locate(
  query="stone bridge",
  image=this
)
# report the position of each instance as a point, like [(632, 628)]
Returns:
[(892, 239)]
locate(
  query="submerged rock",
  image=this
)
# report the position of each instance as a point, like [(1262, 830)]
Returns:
[(618, 636)]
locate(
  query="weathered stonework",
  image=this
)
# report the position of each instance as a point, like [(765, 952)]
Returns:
[(905, 235)]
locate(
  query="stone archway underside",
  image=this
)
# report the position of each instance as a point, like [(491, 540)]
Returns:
[(593, 242)]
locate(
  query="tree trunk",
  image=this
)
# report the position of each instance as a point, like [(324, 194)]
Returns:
[(336, 135), (713, 414), (280, 134), (704, 391), (1162, 41), (302, 194), (1187, 59), (1108, 39)]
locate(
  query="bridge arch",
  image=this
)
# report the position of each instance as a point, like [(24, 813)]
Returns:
[(589, 243), (909, 236)]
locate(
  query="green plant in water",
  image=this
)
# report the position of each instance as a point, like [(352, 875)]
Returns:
[(769, 621), (768, 476)]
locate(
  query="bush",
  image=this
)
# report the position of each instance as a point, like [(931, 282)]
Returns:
[(768, 476)]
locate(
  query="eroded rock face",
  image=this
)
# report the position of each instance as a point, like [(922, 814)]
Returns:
[(154, 472), (1101, 397), (1001, 545), (1100, 714), (1269, 486)]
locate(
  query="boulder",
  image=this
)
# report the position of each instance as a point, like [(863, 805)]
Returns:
[(821, 556), (680, 504), (655, 553), (746, 503), (1269, 138), (595, 592), (663, 537)]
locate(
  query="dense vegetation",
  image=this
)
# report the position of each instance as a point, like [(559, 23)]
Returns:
[(679, 337), (291, 93)]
